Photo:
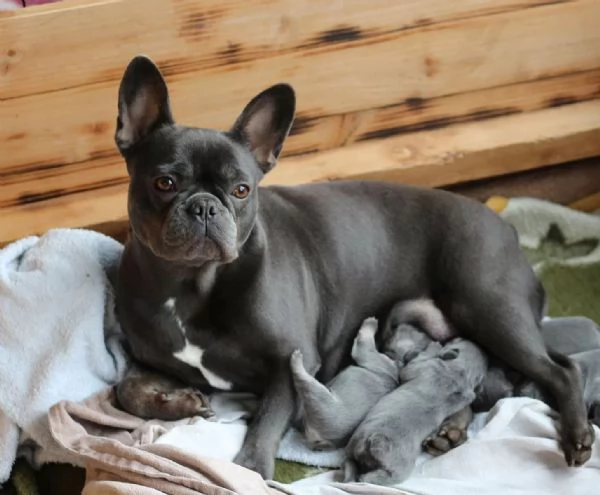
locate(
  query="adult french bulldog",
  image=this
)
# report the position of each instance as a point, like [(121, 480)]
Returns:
[(222, 280)]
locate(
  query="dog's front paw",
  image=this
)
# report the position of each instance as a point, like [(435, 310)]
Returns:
[(259, 462), (450, 435), (578, 449)]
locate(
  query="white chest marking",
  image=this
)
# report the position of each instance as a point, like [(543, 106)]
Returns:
[(192, 354)]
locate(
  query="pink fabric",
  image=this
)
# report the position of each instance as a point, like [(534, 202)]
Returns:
[(120, 457)]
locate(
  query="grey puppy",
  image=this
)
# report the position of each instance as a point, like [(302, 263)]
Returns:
[(221, 279), (577, 337), (410, 327), (331, 413), (385, 446)]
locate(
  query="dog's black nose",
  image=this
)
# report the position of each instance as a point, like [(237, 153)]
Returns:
[(203, 208)]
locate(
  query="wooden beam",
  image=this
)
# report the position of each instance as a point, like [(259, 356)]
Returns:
[(459, 153), (190, 36), (23, 184), (76, 124), (440, 157)]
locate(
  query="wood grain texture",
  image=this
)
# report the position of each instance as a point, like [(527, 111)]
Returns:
[(28, 184), (454, 57), (440, 157), (188, 35), (458, 153)]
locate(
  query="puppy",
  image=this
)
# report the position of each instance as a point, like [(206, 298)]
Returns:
[(152, 395), (437, 383), (331, 413), (410, 327), (577, 337)]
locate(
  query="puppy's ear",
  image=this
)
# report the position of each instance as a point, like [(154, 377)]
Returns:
[(265, 123), (143, 103)]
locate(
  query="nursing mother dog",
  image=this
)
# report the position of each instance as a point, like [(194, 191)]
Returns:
[(222, 280)]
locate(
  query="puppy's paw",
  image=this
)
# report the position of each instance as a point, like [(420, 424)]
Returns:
[(297, 360), (450, 435), (363, 343), (369, 326), (578, 448)]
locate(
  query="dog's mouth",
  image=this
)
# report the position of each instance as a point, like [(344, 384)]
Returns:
[(195, 247), (184, 240)]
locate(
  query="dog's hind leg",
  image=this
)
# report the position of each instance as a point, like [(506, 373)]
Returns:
[(507, 326), (364, 346)]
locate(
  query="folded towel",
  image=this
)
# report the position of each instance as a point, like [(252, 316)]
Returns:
[(123, 457), (59, 338)]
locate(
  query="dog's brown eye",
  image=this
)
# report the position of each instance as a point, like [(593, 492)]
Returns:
[(241, 191), (165, 184)]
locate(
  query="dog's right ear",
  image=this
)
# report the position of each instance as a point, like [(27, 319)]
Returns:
[(143, 103)]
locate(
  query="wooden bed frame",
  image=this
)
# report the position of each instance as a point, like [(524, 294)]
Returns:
[(428, 92)]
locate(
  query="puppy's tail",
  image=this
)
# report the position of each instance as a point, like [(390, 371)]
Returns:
[(426, 315)]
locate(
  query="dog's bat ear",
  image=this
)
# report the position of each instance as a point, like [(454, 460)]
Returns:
[(143, 103), (265, 123)]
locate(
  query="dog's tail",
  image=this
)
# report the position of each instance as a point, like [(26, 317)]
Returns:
[(426, 315)]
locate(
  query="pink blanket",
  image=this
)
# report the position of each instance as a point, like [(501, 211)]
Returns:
[(120, 458)]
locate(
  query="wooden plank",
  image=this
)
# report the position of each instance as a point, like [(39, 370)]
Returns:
[(439, 157), (196, 35), (77, 124), (23, 185), (458, 153)]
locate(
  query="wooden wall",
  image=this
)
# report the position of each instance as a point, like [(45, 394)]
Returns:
[(431, 92)]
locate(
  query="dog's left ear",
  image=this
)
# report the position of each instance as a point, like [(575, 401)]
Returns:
[(265, 123)]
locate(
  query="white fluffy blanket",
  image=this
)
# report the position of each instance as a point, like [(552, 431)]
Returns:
[(59, 339)]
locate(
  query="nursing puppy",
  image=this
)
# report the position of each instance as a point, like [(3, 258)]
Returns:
[(577, 337), (331, 413), (410, 327), (221, 279), (436, 384)]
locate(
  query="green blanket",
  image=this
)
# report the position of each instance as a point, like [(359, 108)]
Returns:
[(564, 248)]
